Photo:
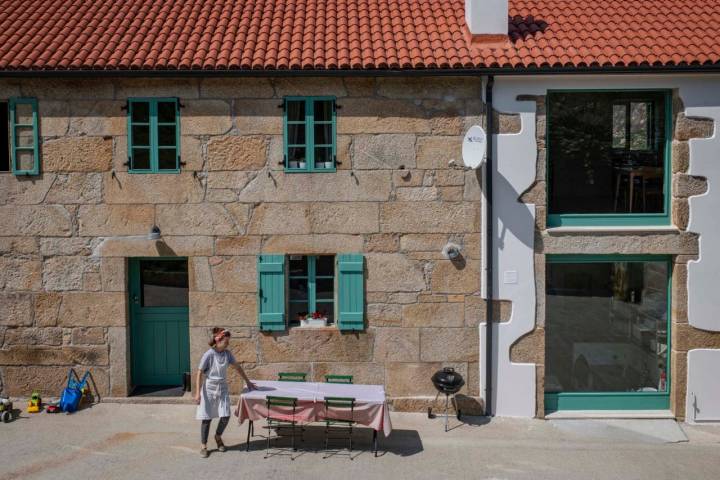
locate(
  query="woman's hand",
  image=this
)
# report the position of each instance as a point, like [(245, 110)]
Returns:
[(197, 397), (250, 385)]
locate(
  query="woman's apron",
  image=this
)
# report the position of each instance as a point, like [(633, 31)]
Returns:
[(215, 395)]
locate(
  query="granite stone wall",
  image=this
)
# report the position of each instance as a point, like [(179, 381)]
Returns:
[(66, 234)]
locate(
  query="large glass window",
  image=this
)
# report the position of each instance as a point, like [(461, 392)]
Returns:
[(607, 158), (164, 283), (606, 333)]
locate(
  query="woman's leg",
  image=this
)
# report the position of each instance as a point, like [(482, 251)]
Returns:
[(221, 426), (204, 432)]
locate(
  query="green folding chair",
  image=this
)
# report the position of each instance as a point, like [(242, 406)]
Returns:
[(338, 379), (292, 376), (277, 424), (339, 420)]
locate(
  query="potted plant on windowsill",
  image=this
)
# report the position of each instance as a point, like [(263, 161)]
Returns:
[(314, 320)]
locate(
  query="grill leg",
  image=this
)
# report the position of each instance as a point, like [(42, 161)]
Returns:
[(447, 411)]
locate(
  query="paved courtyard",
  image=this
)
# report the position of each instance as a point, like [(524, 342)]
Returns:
[(113, 441)]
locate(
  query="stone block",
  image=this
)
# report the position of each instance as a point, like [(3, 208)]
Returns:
[(360, 86), (678, 387), (24, 190), (313, 244), (41, 220), (238, 245), (113, 273), (202, 219), (383, 151), (383, 314), (530, 348), (681, 213), (128, 188), (363, 373), (118, 340), (427, 242), (167, 246), (441, 88), (206, 117), (77, 154), (360, 217), (621, 243), (393, 272), (47, 308), (429, 217), (76, 188), (271, 371), (157, 87), (88, 336), (97, 117), (259, 116), (363, 186), (226, 180), (433, 314), (21, 381), (473, 190), (476, 312), (191, 153), (309, 86), (396, 345), (688, 185), (229, 87), (455, 277), (680, 157), (237, 153), (468, 405), (67, 88), (24, 355), (54, 117), (408, 178), (66, 273), (450, 177), (436, 152), (235, 274), (18, 245), (121, 220), (417, 194), (692, 127), (382, 243), (449, 344), (374, 115), (209, 309), (319, 345), (685, 337), (18, 274), (96, 309), (16, 309), (279, 218)]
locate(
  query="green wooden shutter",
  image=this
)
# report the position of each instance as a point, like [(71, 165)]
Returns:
[(351, 291), (24, 138), (271, 292)]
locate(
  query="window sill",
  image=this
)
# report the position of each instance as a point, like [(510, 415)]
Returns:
[(615, 228), (298, 327)]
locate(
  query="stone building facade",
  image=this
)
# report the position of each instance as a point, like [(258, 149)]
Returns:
[(398, 196)]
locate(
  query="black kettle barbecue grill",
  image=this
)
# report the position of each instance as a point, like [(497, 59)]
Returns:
[(449, 382)]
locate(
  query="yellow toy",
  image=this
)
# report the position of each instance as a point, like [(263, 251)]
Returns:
[(34, 403)]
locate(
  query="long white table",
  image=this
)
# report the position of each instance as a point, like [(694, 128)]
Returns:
[(371, 407)]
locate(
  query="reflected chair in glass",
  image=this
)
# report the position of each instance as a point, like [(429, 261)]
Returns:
[(339, 379), (292, 376), (339, 418), (280, 417)]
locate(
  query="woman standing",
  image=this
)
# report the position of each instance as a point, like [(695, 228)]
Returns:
[(212, 394)]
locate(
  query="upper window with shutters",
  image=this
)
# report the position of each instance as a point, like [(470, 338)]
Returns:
[(19, 137), (311, 291), (309, 132), (153, 135)]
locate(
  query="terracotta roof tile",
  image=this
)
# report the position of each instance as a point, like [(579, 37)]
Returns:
[(349, 34)]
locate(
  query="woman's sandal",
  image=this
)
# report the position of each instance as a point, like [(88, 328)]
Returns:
[(220, 444), (204, 453)]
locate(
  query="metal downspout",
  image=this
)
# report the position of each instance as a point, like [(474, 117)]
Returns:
[(489, 236)]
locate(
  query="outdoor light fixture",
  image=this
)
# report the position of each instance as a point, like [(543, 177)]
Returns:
[(154, 233), (451, 251)]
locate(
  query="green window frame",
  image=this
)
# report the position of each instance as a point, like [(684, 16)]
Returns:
[(318, 157), (617, 400), (614, 219), (348, 293), (153, 146), (22, 145)]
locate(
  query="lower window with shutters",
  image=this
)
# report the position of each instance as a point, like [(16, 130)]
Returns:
[(311, 290)]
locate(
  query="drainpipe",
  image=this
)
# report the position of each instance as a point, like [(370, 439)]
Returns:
[(489, 236)]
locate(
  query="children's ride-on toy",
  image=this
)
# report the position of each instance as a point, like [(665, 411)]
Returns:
[(74, 392), (6, 409), (34, 403), (53, 408)]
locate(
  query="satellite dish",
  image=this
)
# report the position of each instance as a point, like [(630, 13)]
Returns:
[(473, 149)]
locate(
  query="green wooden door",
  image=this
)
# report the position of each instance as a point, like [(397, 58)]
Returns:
[(159, 321)]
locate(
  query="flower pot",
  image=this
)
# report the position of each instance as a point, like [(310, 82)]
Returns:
[(293, 164), (314, 322)]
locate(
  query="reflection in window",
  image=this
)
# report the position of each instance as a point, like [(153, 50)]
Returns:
[(164, 283), (606, 152), (311, 287), (606, 327)]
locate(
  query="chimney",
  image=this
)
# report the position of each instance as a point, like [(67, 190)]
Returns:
[(487, 20)]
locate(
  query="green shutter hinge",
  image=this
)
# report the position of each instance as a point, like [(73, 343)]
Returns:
[(284, 160), (336, 160), (126, 107)]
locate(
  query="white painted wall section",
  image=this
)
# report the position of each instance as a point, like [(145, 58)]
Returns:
[(703, 386)]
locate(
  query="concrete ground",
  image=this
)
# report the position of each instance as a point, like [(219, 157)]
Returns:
[(113, 441)]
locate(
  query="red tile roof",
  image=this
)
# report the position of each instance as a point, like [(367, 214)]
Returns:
[(350, 34)]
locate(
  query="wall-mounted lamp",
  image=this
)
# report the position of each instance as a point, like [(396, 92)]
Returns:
[(154, 233)]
